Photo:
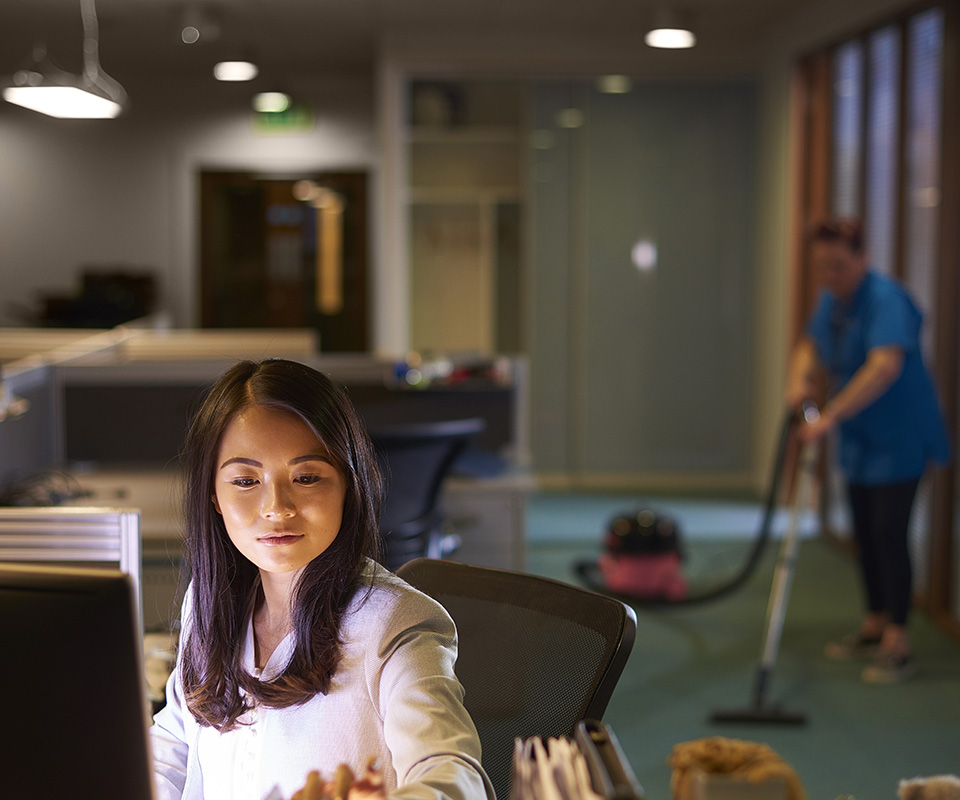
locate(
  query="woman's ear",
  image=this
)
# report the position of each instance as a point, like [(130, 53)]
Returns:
[(216, 503)]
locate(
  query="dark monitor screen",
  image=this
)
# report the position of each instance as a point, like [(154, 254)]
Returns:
[(75, 711)]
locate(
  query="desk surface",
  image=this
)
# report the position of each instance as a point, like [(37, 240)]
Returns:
[(155, 492)]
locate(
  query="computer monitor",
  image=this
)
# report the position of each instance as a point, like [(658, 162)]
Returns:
[(75, 707)]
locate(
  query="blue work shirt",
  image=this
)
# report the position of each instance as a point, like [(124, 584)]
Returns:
[(893, 438)]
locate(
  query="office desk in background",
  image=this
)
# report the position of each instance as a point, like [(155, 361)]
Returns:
[(112, 407)]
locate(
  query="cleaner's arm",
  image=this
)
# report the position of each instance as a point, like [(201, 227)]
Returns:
[(878, 373), (802, 374)]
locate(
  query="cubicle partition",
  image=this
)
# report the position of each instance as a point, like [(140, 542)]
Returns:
[(110, 415), (146, 406), (29, 423), (74, 536)]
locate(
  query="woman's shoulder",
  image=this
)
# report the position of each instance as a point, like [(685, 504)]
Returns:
[(385, 599), (889, 301), (882, 288)]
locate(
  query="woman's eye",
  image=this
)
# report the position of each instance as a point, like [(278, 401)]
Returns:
[(244, 482), (306, 480)]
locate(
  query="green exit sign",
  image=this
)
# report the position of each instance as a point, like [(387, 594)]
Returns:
[(298, 117)]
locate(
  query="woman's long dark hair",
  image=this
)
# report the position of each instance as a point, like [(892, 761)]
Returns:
[(225, 584)]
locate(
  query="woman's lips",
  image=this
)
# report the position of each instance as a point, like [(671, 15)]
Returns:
[(279, 539)]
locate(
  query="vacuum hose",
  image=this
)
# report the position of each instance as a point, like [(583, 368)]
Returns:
[(589, 571)]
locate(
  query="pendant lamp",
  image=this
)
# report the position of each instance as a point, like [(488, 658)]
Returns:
[(43, 87)]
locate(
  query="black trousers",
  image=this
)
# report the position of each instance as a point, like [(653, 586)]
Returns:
[(881, 521)]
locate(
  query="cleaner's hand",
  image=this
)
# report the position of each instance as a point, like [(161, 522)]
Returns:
[(816, 425), (796, 395)]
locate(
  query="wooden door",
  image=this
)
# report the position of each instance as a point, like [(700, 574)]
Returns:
[(286, 252)]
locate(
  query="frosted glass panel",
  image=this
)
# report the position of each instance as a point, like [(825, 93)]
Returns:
[(553, 418), (847, 129), (883, 129), (643, 231), (666, 347)]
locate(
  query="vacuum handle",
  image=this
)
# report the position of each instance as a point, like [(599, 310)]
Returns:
[(809, 411)]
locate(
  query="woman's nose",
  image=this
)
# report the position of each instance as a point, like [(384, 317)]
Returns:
[(278, 503)]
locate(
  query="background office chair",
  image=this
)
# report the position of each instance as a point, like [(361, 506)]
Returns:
[(536, 655), (415, 459)]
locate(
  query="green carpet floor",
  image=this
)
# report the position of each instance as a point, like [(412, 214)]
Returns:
[(858, 740)]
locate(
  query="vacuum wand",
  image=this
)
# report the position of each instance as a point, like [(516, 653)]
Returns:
[(760, 711)]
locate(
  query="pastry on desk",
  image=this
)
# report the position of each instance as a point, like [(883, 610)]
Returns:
[(343, 786)]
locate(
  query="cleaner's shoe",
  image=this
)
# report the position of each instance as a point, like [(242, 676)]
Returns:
[(853, 646), (889, 668)]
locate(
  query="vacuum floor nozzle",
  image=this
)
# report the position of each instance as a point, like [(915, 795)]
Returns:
[(769, 714)]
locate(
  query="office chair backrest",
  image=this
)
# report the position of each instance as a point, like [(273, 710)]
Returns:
[(535, 655), (415, 459)]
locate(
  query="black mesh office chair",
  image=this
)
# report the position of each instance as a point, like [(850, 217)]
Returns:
[(536, 655), (415, 459)]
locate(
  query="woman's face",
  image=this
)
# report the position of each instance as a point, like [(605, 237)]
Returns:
[(280, 496), (841, 269)]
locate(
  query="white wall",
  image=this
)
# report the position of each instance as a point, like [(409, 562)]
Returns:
[(124, 191)]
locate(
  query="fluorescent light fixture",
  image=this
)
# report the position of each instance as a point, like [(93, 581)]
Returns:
[(51, 91), (63, 102), (235, 71), (670, 38), (271, 102)]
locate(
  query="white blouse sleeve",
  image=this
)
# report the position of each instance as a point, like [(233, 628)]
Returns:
[(170, 732), (432, 740)]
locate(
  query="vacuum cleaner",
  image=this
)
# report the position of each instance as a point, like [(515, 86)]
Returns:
[(663, 539), (653, 543)]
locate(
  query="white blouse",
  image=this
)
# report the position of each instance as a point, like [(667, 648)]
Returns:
[(231, 760), (394, 697)]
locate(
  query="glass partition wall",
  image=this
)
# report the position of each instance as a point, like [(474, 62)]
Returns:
[(599, 234), (643, 263)]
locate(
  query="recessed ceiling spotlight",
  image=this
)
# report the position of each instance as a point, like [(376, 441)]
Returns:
[(199, 23), (670, 38), (190, 34), (235, 71), (614, 84), (570, 118), (669, 29), (271, 102)]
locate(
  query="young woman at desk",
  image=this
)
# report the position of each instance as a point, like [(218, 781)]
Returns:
[(298, 652)]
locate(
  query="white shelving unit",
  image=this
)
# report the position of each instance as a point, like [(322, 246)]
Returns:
[(464, 192)]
